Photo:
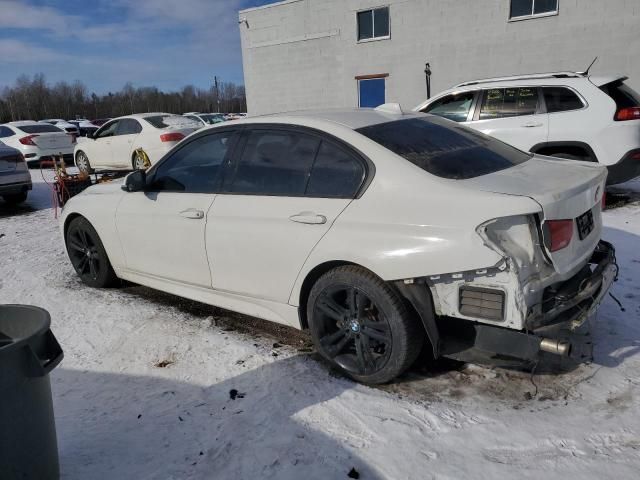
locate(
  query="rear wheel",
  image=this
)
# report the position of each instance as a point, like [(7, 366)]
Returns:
[(82, 162), (362, 326), (15, 198), (88, 256), (140, 160)]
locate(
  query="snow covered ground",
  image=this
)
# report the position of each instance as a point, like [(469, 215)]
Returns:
[(144, 389)]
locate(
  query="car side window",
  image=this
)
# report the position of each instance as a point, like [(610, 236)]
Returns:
[(509, 102), (454, 107), (275, 162), (561, 99), (108, 130), (129, 126), (5, 132), (335, 173), (195, 167)]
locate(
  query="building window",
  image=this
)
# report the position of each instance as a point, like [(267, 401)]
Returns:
[(371, 90), (373, 24), (532, 8)]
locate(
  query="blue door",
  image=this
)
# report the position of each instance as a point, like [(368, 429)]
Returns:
[(371, 92)]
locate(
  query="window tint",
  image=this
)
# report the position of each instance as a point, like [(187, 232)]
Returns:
[(39, 128), (275, 163), (196, 167), (335, 173), (373, 23), (622, 94), (128, 126), (525, 8), (109, 130), (453, 107), (6, 132), (561, 99), (445, 149), (508, 102)]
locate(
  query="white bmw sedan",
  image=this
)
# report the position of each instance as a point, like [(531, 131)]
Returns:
[(132, 142), (379, 232)]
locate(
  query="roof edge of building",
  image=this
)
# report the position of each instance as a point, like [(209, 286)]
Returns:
[(269, 5)]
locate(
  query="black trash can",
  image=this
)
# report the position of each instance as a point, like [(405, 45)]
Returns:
[(28, 352)]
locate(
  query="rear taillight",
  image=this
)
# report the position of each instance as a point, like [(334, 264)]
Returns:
[(604, 200), (73, 137), (629, 113), (560, 233), (28, 140), (171, 137)]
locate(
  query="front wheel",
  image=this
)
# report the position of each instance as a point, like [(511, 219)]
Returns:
[(88, 256), (362, 326)]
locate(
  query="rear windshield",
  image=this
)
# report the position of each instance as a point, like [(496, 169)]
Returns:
[(211, 119), (164, 121), (42, 128), (622, 94), (444, 148)]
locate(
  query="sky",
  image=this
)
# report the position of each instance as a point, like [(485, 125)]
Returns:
[(105, 43)]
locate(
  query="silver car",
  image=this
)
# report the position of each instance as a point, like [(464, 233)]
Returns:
[(15, 180)]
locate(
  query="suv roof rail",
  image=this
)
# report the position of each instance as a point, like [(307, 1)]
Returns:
[(531, 76)]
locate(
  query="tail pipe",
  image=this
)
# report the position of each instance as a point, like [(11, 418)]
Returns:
[(556, 347)]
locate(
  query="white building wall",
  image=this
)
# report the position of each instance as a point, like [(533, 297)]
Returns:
[(304, 54)]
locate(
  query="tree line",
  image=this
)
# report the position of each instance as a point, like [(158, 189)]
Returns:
[(35, 99)]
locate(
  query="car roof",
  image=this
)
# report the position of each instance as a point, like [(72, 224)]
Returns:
[(351, 118), (22, 123)]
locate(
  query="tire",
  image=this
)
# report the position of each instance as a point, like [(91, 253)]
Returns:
[(82, 162), (139, 162), (362, 326), (15, 198), (88, 256)]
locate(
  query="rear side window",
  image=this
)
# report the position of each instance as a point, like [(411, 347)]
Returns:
[(453, 107), (275, 163), (6, 132), (508, 102), (128, 126), (335, 174), (195, 167), (41, 128), (561, 99), (622, 94), (445, 149)]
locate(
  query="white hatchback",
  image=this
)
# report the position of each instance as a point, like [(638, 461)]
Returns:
[(132, 142), (375, 230), (563, 114), (37, 141)]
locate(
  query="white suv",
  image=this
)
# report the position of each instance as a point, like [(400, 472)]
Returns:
[(563, 114)]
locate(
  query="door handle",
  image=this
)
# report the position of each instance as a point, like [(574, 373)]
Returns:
[(192, 213), (308, 218), (532, 125)]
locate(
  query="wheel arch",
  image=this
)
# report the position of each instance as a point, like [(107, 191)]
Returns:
[(580, 149)]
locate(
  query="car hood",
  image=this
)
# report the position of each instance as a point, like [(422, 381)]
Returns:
[(106, 188)]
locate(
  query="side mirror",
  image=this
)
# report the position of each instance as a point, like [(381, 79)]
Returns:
[(135, 181)]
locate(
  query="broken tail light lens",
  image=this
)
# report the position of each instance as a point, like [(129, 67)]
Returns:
[(560, 234), (28, 140), (171, 137)]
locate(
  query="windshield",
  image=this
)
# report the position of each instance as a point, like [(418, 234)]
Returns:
[(40, 128), (444, 148), (211, 118), (164, 121)]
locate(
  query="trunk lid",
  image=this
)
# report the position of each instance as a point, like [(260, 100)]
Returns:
[(566, 190), (52, 141), (9, 159)]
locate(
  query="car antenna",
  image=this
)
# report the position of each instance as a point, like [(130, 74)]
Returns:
[(586, 72)]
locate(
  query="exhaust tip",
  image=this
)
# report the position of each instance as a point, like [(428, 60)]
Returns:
[(556, 347)]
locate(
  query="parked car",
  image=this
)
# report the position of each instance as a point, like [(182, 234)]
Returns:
[(63, 125), (100, 121), (205, 119), (38, 141), (123, 143), (85, 127), (373, 229), (564, 114), (15, 180)]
